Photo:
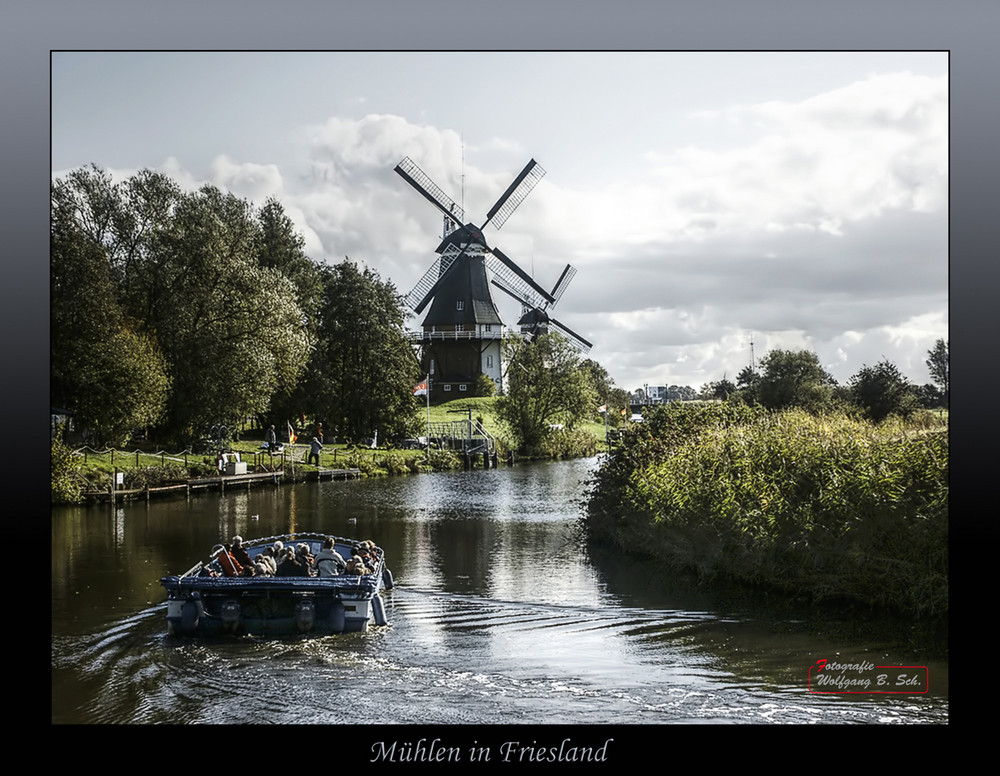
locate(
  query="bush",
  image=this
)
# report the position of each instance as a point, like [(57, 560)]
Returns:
[(445, 460), (67, 482), (569, 443), (828, 506)]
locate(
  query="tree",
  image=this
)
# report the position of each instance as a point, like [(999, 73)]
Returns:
[(882, 390), (616, 399), (718, 389), (938, 363), (232, 329), (794, 379), (113, 375), (363, 369), (546, 385)]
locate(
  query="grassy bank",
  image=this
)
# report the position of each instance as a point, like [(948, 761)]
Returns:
[(78, 471), (829, 507)]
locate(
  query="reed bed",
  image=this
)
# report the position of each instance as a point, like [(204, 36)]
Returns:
[(825, 506)]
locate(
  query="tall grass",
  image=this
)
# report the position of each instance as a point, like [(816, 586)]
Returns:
[(824, 505)]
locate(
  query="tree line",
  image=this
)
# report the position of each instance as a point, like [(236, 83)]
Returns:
[(787, 379), (178, 311)]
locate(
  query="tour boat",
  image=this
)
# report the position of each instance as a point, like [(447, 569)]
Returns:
[(203, 600)]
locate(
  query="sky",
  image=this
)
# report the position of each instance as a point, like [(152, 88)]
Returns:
[(716, 205)]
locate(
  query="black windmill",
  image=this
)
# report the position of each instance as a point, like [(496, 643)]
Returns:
[(462, 331)]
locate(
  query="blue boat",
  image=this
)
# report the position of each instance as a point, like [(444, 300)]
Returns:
[(204, 601)]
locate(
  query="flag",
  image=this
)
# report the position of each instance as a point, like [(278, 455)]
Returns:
[(420, 389), (603, 408), (291, 433)]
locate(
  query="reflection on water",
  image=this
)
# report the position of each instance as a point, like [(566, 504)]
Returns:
[(499, 615)]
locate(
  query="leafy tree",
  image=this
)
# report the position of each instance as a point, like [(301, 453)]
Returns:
[(747, 382), (546, 385), (938, 363), (363, 369), (929, 396), (235, 332), (882, 390), (607, 392), (281, 248), (718, 389), (113, 375), (794, 379)]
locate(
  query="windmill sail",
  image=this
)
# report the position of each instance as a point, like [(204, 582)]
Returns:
[(417, 178), (515, 194)]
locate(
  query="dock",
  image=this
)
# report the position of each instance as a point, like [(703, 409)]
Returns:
[(221, 483)]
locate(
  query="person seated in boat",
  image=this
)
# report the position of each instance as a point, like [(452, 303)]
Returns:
[(229, 565), (266, 558), (305, 557), (262, 569), (291, 565), (240, 553), (328, 562), (363, 552), (357, 565), (249, 571)]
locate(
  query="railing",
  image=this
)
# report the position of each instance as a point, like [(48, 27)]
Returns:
[(463, 435), (424, 336)]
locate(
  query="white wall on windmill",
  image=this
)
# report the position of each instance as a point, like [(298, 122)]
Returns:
[(491, 362)]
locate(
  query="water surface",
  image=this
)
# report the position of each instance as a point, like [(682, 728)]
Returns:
[(500, 615)]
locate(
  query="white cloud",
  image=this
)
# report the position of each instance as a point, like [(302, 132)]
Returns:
[(819, 223)]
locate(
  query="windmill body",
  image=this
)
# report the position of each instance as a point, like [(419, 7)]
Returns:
[(462, 332)]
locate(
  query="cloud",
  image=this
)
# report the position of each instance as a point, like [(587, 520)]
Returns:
[(820, 224), (255, 182)]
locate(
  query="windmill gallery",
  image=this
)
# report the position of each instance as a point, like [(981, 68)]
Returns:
[(461, 335)]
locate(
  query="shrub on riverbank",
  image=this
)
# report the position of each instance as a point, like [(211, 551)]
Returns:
[(67, 482), (568, 443), (820, 505)]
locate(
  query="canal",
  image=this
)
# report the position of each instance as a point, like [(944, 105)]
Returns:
[(500, 616)]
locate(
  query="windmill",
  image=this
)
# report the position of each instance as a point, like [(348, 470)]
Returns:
[(535, 319), (462, 331)]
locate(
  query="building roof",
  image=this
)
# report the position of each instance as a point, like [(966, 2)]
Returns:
[(464, 297)]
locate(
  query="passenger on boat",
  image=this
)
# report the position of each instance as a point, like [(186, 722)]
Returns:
[(262, 569), (238, 552), (357, 566), (328, 562), (305, 556), (291, 565), (266, 559), (230, 566)]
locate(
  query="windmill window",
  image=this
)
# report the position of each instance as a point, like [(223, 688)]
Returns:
[(447, 387), (489, 361), (462, 387), (460, 304)]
